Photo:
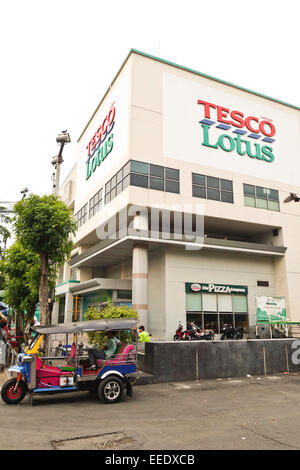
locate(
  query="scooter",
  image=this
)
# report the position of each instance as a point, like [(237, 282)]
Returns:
[(208, 335), (229, 332), (192, 333), (179, 334), (197, 334)]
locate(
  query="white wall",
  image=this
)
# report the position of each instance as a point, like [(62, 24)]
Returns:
[(206, 266)]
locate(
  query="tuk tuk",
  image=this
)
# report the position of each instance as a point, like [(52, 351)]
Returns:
[(33, 375)]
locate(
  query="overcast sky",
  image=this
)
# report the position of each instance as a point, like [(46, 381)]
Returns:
[(58, 58)]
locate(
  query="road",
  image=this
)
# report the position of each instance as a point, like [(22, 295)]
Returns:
[(249, 413)]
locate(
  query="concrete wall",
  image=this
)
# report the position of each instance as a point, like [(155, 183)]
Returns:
[(120, 271), (176, 361)]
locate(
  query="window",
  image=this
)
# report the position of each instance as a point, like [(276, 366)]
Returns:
[(260, 197), (95, 203), (263, 283), (193, 302), (212, 311), (60, 274), (124, 294), (209, 187), (143, 175), (74, 274), (61, 309), (156, 177), (81, 215), (117, 183)]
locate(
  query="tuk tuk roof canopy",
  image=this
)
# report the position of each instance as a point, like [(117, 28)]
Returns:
[(111, 324)]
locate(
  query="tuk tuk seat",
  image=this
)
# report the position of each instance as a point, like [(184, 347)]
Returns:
[(43, 370), (121, 355)]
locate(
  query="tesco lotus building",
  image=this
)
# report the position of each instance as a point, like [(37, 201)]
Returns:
[(178, 193)]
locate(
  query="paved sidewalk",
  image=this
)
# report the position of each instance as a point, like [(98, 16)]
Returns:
[(261, 413)]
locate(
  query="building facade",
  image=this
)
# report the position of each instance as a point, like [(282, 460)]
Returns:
[(178, 193)]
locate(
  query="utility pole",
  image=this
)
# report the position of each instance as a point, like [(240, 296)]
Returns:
[(62, 139)]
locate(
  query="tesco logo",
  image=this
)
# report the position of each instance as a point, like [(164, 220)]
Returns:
[(102, 132), (238, 119)]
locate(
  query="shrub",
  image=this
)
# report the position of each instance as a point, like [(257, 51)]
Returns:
[(99, 338)]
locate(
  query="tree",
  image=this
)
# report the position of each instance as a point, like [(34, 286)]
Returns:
[(20, 270), (99, 338), (4, 232), (43, 224)]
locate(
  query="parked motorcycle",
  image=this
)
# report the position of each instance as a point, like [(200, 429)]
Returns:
[(229, 332), (208, 335), (179, 334), (195, 333)]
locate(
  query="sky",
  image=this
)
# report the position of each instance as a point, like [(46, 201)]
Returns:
[(58, 58)]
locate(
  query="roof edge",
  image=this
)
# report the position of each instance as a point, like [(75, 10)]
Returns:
[(105, 94), (187, 69)]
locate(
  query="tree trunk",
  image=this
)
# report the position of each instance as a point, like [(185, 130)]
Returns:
[(43, 290), (20, 329)]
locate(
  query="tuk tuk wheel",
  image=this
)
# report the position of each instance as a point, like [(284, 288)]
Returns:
[(11, 396), (111, 389)]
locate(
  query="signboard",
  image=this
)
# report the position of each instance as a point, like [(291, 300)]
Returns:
[(270, 309), (221, 127), (103, 146), (212, 288), (101, 143)]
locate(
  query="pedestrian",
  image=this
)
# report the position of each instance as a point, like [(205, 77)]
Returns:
[(3, 339), (144, 335)]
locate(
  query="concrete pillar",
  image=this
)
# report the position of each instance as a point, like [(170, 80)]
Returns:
[(69, 307), (114, 296), (54, 318), (140, 282)]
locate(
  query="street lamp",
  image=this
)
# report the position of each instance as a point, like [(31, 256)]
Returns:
[(24, 192), (62, 139)]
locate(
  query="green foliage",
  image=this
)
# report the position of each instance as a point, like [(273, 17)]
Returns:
[(20, 271), (4, 232), (4, 218), (99, 338), (43, 224)]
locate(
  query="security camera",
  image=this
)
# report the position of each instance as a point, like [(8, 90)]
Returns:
[(292, 197)]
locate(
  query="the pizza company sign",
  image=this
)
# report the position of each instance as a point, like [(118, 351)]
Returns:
[(216, 288), (101, 144), (241, 125)]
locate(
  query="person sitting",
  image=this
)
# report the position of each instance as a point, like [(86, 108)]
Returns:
[(105, 353), (144, 335)]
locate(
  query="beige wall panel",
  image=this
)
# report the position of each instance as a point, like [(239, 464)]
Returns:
[(157, 293)]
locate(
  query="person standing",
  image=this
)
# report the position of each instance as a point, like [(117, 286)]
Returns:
[(3, 339)]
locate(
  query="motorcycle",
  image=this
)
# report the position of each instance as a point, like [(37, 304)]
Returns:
[(208, 335), (179, 334), (229, 332), (195, 333)]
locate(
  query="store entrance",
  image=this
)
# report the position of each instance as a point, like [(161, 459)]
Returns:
[(213, 310)]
